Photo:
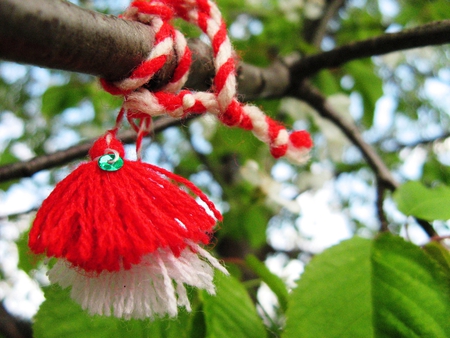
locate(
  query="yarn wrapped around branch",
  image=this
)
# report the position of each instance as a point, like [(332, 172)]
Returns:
[(221, 101)]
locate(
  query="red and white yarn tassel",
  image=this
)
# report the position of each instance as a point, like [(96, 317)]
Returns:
[(127, 238)]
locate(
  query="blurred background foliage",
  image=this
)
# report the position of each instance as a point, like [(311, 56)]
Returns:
[(279, 214)]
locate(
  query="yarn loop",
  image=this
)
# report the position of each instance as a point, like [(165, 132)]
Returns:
[(139, 102)]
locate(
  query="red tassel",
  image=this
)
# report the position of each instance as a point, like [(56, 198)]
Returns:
[(108, 220)]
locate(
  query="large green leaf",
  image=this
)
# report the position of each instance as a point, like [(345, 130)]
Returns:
[(381, 288), (440, 254), (414, 199), (332, 298), (231, 312), (411, 294), (59, 316)]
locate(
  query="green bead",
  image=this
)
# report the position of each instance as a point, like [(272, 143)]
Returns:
[(110, 162)]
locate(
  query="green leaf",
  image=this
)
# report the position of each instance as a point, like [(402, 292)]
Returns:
[(368, 84), (254, 223), (440, 254), (274, 282), (333, 296), (434, 172), (27, 261), (411, 295), (327, 82), (231, 312), (59, 316), (416, 12), (248, 216), (197, 325), (360, 288), (360, 24), (58, 98), (414, 199)]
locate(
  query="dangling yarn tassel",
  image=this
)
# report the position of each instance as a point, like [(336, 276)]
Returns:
[(126, 235)]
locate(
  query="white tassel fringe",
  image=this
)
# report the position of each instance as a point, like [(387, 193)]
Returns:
[(151, 289)]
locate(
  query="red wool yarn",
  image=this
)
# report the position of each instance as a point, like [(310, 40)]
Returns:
[(126, 235), (108, 220)]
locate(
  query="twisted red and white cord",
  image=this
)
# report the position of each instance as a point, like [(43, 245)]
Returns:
[(221, 100)]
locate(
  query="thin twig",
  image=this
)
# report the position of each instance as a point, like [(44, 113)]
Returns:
[(321, 25), (62, 157), (395, 146), (380, 210), (315, 99), (385, 180), (434, 33)]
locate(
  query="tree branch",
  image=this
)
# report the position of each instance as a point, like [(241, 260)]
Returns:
[(57, 34), (385, 180), (28, 168), (60, 35), (395, 146), (11, 327), (380, 210), (315, 30), (315, 99), (435, 33)]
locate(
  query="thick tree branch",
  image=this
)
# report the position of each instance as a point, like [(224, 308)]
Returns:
[(29, 168), (57, 34)]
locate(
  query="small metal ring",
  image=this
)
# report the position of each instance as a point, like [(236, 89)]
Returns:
[(108, 151)]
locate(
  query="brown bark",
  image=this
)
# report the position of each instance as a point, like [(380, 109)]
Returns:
[(57, 34)]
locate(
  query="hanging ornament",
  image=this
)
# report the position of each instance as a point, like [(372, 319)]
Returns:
[(128, 235)]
